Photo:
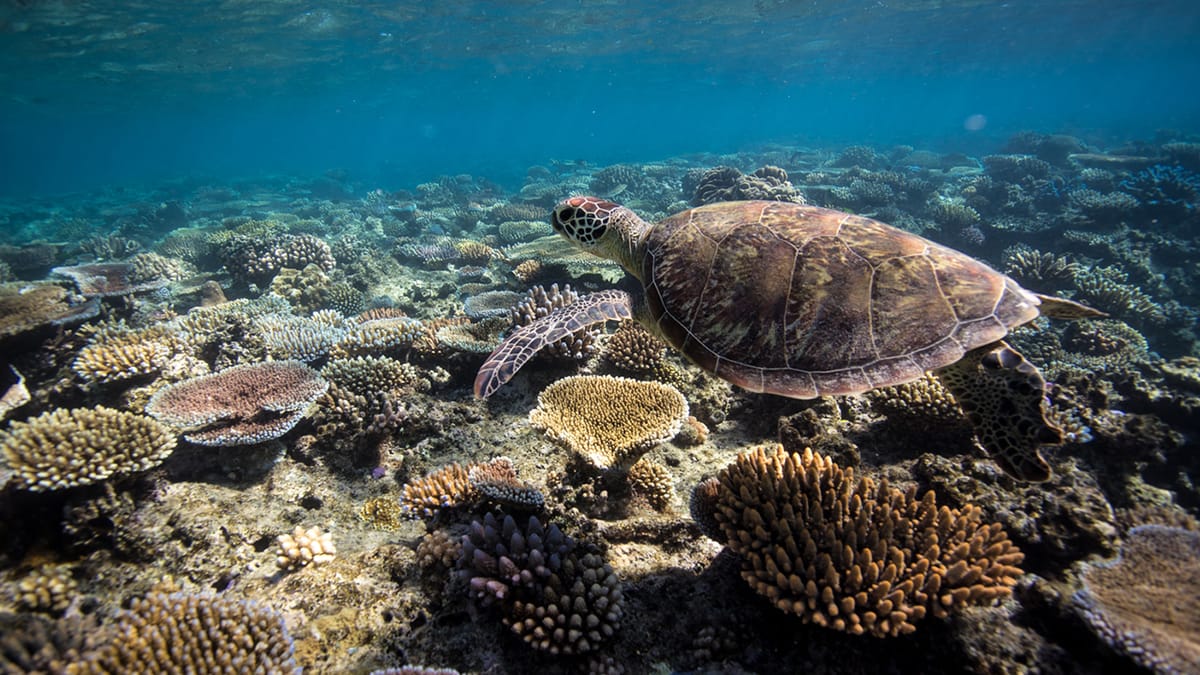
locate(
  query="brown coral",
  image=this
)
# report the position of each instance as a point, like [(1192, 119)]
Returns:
[(651, 481), (245, 404), (68, 447), (852, 555), (634, 350), (447, 487), (1146, 603), (181, 632), (28, 307), (610, 421), (127, 355), (497, 481)]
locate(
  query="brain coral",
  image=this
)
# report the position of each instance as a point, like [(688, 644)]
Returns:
[(852, 555), (186, 633), (1146, 603), (610, 421), (64, 448), (245, 404)]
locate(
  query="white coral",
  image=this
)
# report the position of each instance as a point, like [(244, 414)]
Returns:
[(304, 547)]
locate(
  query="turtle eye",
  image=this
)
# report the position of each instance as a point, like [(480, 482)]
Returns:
[(557, 220), (598, 231)]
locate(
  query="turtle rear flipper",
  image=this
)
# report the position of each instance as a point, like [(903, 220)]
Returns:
[(1003, 396), (528, 340)]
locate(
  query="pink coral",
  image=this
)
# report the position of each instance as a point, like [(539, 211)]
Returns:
[(245, 404)]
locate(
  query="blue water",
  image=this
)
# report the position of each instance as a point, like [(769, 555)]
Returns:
[(396, 93)]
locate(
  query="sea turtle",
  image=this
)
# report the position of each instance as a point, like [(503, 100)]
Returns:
[(803, 301)]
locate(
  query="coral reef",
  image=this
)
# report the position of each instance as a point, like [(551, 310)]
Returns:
[(245, 404), (49, 589), (538, 303), (852, 555), (122, 355), (1146, 603), (447, 487), (609, 421), (727, 184), (651, 481), (27, 307), (304, 547), (182, 632), (497, 482), (105, 280), (550, 593), (68, 447), (634, 350)]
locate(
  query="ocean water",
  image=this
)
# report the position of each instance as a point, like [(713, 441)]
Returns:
[(396, 92), (298, 375)]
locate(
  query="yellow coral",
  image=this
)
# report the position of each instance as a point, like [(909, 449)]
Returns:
[(610, 421), (127, 355), (65, 448), (651, 481), (853, 555), (447, 487)]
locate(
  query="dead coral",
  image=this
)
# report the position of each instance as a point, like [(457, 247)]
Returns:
[(852, 555), (69, 447), (245, 404), (609, 421)]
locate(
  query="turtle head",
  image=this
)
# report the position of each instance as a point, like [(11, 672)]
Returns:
[(599, 226)]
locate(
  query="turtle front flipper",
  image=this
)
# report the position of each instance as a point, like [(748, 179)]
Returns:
[(1003, 396), (528, 340)]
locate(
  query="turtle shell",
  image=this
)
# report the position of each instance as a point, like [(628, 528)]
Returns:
[(804, 301)]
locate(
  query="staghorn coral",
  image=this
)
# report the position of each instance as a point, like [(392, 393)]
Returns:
[(304, 547), (1146, 602), (245, 404), (27, 307), (952, 213), (556, 597), (634, 350), (69, 447), (651, 481), (190, 633), (852, 555), (609, 421)]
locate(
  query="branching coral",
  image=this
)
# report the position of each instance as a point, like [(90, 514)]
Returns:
[(28, 307), (538, 303), (1146, 603), (182, 632), (123, 355), (1038, 269), (304, 547), (853, 555), (552, 594), (609, 421), (651, 481), (633, 349), (69, 447), (725, 184), (245, 404), (455, 485)]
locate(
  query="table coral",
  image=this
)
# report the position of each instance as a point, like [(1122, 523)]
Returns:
[(1146, 602), (183, 632), (245, 404), (69, 447), (103, 280), (852, 555), (28, 307), (610, 421)]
